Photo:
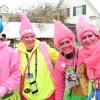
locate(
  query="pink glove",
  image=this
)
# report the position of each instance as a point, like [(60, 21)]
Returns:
[(3, 90)]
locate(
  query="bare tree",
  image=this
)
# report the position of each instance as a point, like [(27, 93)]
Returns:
[(44, 13)]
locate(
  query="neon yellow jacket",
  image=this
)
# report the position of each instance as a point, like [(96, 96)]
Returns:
[(44, 80)]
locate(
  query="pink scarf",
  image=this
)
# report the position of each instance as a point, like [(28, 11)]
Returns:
[(92, 56)]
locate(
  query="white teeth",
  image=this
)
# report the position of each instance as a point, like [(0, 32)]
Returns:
[(67, 49)]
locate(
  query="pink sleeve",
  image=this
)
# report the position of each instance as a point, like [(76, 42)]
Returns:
[(90, 73), (60, 82), (14, 77)]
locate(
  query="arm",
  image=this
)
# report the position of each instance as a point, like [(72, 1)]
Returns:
[(59, 79), (14, 76), (53, 54)]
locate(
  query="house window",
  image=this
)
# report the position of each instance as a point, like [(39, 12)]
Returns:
[(68, 12), (79, 10)]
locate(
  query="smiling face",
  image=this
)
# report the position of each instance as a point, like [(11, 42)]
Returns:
[(89, 39), (66, 46), (29, 40)]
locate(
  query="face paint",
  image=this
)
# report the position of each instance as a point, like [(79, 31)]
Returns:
[(29, 40), (89, 39)]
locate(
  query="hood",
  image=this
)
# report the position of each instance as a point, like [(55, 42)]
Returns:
[(21, 47)]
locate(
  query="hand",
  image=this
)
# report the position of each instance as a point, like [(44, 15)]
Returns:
[(3, 90), (96, 84)]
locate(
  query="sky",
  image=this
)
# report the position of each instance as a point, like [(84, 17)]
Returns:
[(13, 4), (24, 4)]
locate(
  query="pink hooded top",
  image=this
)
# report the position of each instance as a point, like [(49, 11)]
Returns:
[(9, 68), (59, 75), (26, 26), (84, 25), (90, 56), (61, 32)]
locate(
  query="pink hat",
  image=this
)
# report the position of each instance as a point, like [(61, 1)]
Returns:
[(61, 32), (25, 27), (84, 25)]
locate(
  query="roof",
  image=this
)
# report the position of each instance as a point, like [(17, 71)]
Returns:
[(44, 30), (4, 9), (11, 29)]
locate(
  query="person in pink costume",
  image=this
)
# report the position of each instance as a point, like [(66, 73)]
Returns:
[(9, 70), (65, 68), (89, 37), (37, 83)]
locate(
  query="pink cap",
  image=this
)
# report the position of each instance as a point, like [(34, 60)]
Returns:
[(25, 27), (84, 25), (61, 32)]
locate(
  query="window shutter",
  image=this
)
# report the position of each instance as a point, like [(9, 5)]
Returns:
[(84, 9), (74, 11)]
